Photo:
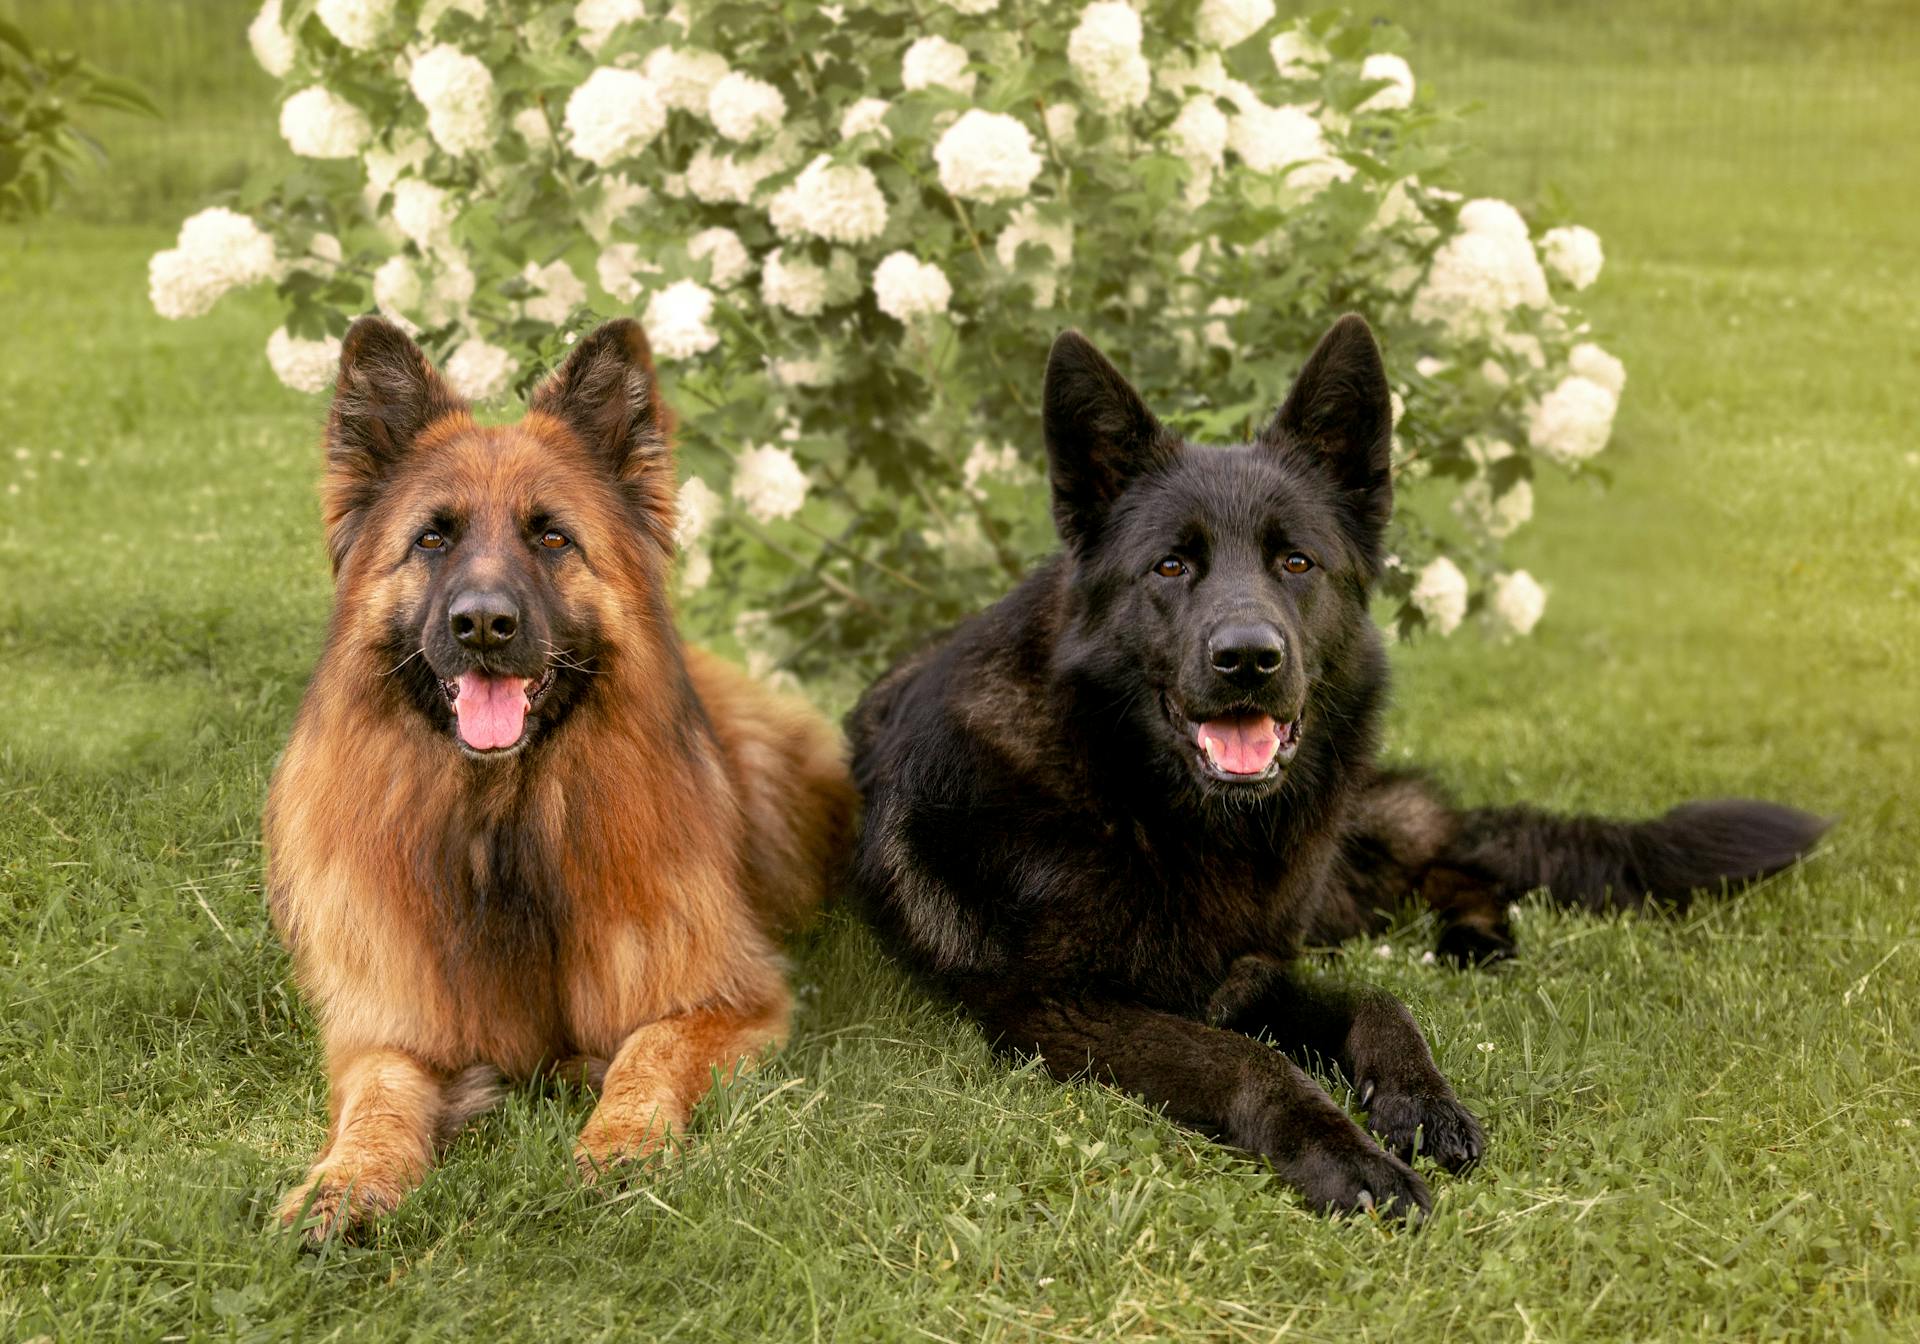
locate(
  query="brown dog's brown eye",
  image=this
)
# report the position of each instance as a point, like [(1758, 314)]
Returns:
[(553, 541), (1297, 563), (1170, 567), (430, 540)]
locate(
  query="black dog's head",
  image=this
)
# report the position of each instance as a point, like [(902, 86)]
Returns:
[(1220, 593)]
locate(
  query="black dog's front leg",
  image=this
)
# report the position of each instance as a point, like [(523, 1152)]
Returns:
[(1375, 1041), (1217, 1081)]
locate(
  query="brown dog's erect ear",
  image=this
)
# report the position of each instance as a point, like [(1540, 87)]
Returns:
[(1100, 436), (386, 394), (1340, 414), (606, 394)]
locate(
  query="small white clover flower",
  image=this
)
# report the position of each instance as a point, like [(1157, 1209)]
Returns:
[(904, 287), (557, 292), (457, 91), (272, 45), (685, 76), (216, 250), (1103, 51), (769, 483), (318, 123), (1269, 139), (358, 24), (1297, 54), (743, 108), (479, 371), (1397, 94), (726, 256), (1590, 361), (424, 213), (1573, 253), (841, 203), (935, 63), (678, 320), (1025, 227), (799, 286), (1440, 594), (1572, 422), (699, 504), (987, 156), (619, 268), (868, 114), (597, 19), (304, 366), (618, 195), (1228, 23), (1518, 601), (614, 115), (1199, 133)]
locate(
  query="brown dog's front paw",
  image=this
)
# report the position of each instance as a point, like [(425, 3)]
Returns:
[(329, 1205), (609, 1143), (1437, 1127)]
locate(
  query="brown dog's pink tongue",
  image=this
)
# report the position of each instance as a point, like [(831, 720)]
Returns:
[(1241, 745), (492, 710)]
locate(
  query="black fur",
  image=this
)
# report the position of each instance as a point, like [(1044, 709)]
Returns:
[(1052, 838)]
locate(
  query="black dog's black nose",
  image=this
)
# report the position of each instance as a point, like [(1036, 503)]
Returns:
[(1246, 654), (483, 620)]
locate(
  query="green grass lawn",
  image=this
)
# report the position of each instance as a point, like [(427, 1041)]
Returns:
[(1701, 1128)]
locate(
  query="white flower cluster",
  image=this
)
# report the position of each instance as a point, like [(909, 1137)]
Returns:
[(557, 291), (678, 321), (478, 370), (217, 250), (318, 123), (769, 483), (415, 297), (698, 506), (597, 19), (905, 288), (805, 288), (425, 213), (614, 115), (304, 366), (1298, 54), (841, 203), (1228, 23), (1482, 273), (1399, 90), (457, 91), (1440, 595), (1573, 254), (272, 45), (726, 256), (359, 24), (1285, 139), (935, 63), (1572, 422), (1518, 601), (743, 108), (1056, 237), (1104, 53), (987, 156), (685, 76)]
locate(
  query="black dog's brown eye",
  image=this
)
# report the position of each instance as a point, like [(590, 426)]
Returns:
[(430, 540), (1297, 563), (553, 541), (1170, 567)]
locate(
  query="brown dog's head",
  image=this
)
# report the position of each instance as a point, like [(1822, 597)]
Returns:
[(488, 576)]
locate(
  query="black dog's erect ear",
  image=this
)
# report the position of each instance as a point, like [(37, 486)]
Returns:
[(605, 393), (1100, 436), (1340, 413), (386, 393)]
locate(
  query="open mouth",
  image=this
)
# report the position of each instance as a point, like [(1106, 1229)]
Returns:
[(1241, 745), (490, 712)]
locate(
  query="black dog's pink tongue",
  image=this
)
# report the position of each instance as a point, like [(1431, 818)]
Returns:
[(1241, 744), (492, 710)]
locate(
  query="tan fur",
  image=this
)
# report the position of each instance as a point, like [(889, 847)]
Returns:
[(678, 869)]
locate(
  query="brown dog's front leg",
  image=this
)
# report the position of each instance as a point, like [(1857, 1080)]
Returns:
[(386, 1107)]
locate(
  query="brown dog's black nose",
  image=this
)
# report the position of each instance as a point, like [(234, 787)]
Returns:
[(1246, 655), (483, 620)]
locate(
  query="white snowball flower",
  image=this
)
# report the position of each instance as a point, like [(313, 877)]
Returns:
[(1228, 23), (685, 76), (743, 108), (1199, 133), (985, 462), (1025, 227), (818, 371), (726, 256), (598, 18), (974, 7), (1499, 517), (479, 371), (557, 292), (272, 45), (1063, 124), (385, 167), (1482, 273), (987, 156), (1495, 218), (769, 483), (304, 366), (216, 250), (614, 115), (457, 91), (1104, 52), (359, 24), (1297, 54), (413, 299), (1397, 94), (1573, 422), (530, 124), (799, 286), (935, 63), (699, 505), (319, 124), (1590, 361), (1269, 139), (868, 114), (696, 569), (618, 195), (323, 255), (1518, 601), (398, 290), (728, 179), (1440, 594), (678, 321), (905, 287), (425, 213), (841, 203), (1573, 253), (619, 269)]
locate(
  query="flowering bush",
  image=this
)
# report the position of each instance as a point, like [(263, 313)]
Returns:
[(853, 231)]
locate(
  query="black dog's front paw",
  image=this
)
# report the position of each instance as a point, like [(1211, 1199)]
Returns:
[(1437, 1127), (1359, 1178)]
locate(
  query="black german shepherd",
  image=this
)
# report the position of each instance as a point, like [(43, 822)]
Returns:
[(1107, 814)]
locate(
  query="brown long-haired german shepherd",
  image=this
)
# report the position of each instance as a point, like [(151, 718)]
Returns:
[(519, 826)]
